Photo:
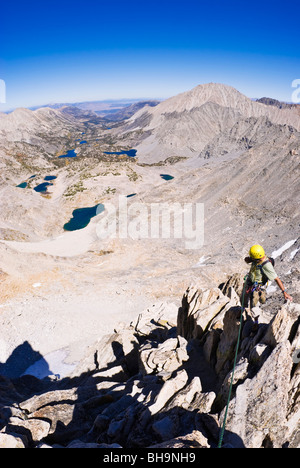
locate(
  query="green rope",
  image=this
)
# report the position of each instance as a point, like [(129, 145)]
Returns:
[(234, 365)]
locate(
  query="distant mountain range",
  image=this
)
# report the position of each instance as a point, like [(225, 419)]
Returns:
[(111, 109), (121, 109), (190, 123), (92, 105), (280, 104)]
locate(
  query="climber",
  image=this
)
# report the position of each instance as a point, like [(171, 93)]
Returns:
[(261, 271)]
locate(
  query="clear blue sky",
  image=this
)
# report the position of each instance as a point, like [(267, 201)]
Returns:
[(67, 51)]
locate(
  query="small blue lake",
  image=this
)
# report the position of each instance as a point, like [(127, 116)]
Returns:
[(82, 216), (166, 176), (131, 153), (42, 188), (131, 195), (69, 154)]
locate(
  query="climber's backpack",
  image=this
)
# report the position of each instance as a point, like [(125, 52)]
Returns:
[(265, 279)]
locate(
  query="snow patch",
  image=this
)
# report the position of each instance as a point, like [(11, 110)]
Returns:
[(285, 247), (201, 262), (271, 288), (52, 364), (293, 254)]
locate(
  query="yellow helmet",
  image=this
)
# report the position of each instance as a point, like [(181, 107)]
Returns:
[(256, 252)]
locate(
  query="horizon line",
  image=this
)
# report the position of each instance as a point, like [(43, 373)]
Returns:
[(120, 100), (73, 103)]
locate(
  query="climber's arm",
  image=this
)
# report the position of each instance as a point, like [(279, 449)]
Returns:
[(281, 286)]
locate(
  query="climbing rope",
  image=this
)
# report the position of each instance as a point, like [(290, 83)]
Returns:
[(234, 364)]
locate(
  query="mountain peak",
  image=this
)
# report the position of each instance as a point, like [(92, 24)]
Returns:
[(221, 94), (186, 123)]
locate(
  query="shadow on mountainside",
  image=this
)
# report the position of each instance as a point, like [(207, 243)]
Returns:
[(20, 360), (111, 405), (146, 385)]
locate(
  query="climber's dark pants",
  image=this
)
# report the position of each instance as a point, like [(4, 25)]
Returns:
[(252, 298)]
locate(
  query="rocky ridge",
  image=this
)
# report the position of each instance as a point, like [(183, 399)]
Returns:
[(244, 166), (185, 124), (163, 381), (31, 126), (281, 105)]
